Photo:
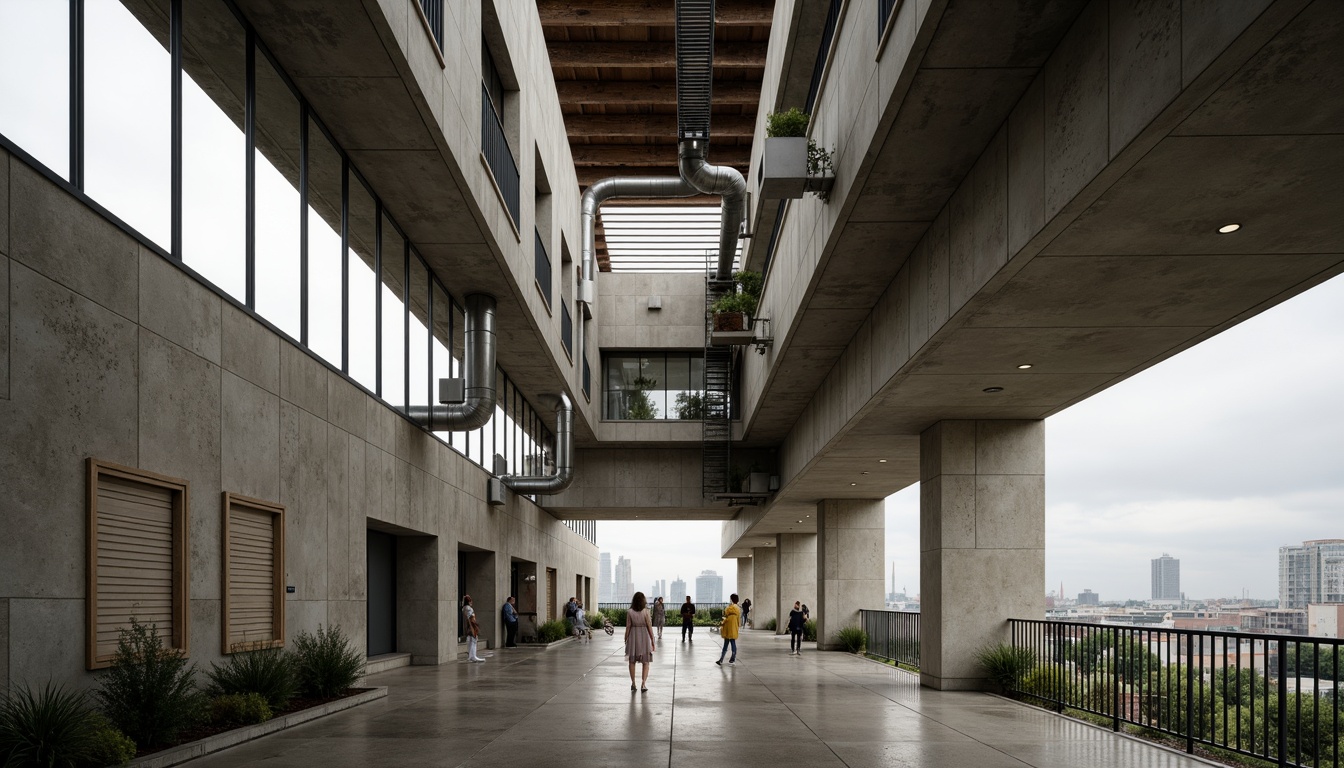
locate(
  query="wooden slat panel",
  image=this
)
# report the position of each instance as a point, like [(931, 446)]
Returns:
[(251, 577), (134, 558)]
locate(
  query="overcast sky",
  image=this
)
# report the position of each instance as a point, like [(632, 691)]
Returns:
[(1217, 456)]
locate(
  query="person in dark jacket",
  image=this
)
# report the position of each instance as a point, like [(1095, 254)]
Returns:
[(688, 620), (797, 617)]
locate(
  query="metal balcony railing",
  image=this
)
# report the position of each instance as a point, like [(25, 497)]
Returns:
[(498, 156), (892, 635), (566, 329), (434, 15), (885, 10), (587, 378), (542, 268), (1271, 697)]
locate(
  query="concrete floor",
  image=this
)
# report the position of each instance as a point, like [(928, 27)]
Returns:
[(573, 707)]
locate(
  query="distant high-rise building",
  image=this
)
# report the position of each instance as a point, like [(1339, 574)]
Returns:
[(1088, 597), (604, 584), (678, 592), (709, 587), (1166, 578), (1311, 573), (625, 583)]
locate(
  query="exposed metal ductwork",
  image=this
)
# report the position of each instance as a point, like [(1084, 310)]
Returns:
[(467, 404), (545, 485), (716, 180), (695, 81), (631, 186)]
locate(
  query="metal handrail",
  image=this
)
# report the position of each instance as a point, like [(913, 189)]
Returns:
[(892, 635), (1272, 697), (498, 154)]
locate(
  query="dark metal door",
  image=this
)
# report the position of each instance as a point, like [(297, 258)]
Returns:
[(382, 570)]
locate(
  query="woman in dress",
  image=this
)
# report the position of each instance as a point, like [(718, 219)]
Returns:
[(659, 615), (639, 639)]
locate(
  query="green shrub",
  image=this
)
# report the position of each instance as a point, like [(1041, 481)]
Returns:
[(854, 639), (595, 620), (50, 727), (1047, 683), (269, 673), (784, 124), (150, 692), (235, 710), (810, 631), (1004, 664), (772, 625), (326, 664), (551, 631), (110, 746)]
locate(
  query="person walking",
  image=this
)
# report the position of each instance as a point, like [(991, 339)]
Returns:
[(510, 623), (659, 616), (639, 643), (796, 619), (746, 611), (581, 622), (688, 620), (732, 619), (570, 608), (472, 629)]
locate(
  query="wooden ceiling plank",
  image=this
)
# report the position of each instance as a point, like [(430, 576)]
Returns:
[(645, 155), (588, 126), (648, 13), (647, 54), (651, 92)]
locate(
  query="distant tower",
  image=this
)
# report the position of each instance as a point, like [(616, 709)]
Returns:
[(1166, 578)]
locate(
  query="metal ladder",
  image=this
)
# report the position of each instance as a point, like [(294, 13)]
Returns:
[(716, 453)]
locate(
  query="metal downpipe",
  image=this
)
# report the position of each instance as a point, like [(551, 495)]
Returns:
[(545, 485), (716, 180), (479, 368)]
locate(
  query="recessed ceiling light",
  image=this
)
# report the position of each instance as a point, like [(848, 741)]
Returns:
[(800, 521), (1024, 366), (992, 390), (1228, 229), (853, 483), (881, 461), (806, 515), (865, 473)]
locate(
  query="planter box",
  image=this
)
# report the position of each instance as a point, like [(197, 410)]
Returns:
[(784, 168), (730, 321)]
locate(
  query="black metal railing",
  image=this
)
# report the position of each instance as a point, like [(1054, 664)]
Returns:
[(892, 635), (434, 15), (1270, 697), (498, 156), (542, 262), (566, 329), (587, 378), (706, 614), (823, 53), (886, 9)]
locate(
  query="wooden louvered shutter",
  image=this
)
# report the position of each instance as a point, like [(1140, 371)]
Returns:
[(254, 571), (137, 557)]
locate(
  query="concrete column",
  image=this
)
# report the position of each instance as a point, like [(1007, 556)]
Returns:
[(481, 585), (797, 574), (982, 542), (851, 536), (744, 582), (764, 575)]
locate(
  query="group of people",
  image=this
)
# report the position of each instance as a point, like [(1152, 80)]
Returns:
[(643, 628)]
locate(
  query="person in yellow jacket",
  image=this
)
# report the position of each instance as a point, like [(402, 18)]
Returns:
[(732, 618)]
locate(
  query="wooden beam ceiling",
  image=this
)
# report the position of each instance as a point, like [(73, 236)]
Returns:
[(614, 63), (595, 127), (649, 54), (648, 13)]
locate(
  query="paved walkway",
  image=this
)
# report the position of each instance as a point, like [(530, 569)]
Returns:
[(572, 706)]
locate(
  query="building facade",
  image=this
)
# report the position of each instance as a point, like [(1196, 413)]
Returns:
[(709, 587), (1166, 578), (605, 587), (625, 581), (678, 593), (1312, 572)]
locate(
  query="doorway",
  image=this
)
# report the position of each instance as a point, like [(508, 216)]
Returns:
[(382, 602)]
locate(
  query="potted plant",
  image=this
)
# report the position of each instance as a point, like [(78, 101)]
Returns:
[(733, 311), (791, 163)]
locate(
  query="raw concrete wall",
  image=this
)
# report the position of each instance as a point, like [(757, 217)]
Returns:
[(765, 581), (126, 358)]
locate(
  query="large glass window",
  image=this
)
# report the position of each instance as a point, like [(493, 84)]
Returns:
[(35, 79), (278, 210), (418, 300), (659, 385), (362, 227), (128, 114), (394, 316), (324, 246), (446, 317), (214, 148)]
